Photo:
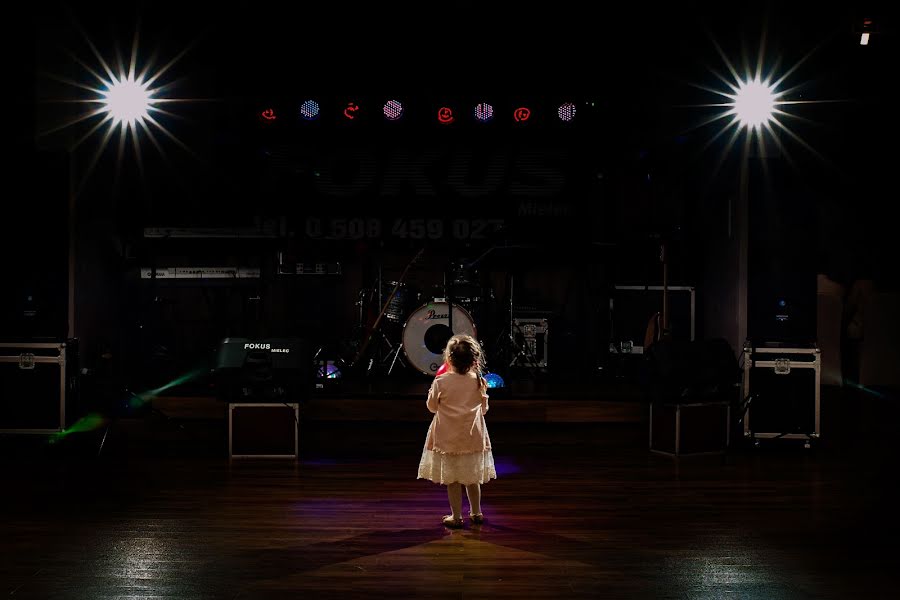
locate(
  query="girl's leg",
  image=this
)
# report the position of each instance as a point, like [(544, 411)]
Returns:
[(454, 494), (473, 491)]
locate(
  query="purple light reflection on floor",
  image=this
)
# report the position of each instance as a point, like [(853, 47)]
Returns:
[(506, 466)]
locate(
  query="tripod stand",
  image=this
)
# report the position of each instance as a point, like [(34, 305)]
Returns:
[(511, 351), (376, 327), (384, 350)]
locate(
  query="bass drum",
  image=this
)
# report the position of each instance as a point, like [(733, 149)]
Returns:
[(427, 331)]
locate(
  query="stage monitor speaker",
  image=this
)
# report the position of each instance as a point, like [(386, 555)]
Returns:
[(781, 281), (264, 370), (34, 251)]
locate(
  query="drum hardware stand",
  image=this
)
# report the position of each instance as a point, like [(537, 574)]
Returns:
[(376, 327), (393, 354), (448, 295), (391, 350), (507, 345), (514, 350), (396, 358)]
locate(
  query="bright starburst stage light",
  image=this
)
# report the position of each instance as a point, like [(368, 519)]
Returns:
[(124, 102), (127, 100), (755, 102)]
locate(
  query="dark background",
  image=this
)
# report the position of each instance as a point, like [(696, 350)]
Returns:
[(592, 200)]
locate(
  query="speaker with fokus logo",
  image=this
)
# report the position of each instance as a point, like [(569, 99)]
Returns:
[(263, 370)]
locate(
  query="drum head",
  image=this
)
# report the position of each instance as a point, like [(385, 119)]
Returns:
[(427, 331)]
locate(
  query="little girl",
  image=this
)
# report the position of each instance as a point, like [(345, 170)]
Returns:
[(457, 448)]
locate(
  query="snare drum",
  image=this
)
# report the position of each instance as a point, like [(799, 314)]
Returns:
[(427, 331)]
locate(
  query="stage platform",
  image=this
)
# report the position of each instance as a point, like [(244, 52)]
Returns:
[(523, 401)]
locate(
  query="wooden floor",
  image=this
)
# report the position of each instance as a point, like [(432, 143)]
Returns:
[(578, 511)]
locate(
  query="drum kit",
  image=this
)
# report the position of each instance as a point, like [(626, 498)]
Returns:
[(417, 324)]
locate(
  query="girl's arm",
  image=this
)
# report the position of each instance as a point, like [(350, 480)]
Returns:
[(433, 397), (484, 397)]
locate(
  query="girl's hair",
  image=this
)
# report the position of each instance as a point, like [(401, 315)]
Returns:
[(464, 353)]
